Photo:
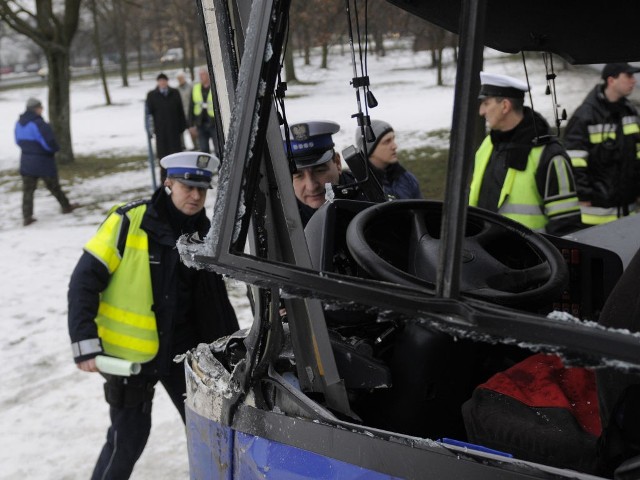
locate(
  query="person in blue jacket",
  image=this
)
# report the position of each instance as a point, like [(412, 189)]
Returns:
[(397, 182), (35, 138)]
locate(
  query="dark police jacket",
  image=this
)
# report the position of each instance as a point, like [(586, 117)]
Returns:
[(191, 306)]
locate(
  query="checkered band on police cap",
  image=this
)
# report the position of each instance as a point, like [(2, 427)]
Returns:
[(311, 142), (195, 169)]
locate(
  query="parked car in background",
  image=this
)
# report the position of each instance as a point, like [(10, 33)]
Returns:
[(172, 55)]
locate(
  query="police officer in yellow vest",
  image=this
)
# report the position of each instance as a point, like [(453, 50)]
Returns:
[(130, 297), (201, 113), (521, 171)]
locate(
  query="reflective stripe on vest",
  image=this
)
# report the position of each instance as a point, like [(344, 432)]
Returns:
[(597, 215), (519, 197), (196, 95), (126, 323)]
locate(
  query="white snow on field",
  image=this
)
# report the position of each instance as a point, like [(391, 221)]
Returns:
[(53, 417)]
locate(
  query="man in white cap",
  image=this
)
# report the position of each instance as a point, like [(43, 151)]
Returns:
[(317, 163), (131, 298), (603, 140), (521, 171), (382, 152)]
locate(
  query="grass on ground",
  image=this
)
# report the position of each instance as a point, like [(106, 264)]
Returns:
[(428, 164)]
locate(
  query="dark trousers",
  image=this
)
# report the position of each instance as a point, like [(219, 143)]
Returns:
[(206, 134), (130, 400), (29, 185)]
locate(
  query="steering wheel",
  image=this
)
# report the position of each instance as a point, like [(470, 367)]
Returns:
[(503, 261)]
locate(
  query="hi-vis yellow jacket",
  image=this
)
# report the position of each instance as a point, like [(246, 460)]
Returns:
[(198, 100), (521, 198), (126, 323)]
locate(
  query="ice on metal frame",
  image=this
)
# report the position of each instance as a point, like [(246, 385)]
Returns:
[(329, 194)]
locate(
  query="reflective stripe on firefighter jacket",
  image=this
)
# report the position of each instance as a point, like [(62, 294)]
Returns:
[(126, 323), (196, 96), (520, 199)]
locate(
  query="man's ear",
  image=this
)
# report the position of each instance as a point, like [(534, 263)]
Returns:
[(338, 162)]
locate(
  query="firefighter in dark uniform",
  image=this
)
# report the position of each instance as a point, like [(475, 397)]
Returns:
[(603, 140), (520, 171), (130, 297)]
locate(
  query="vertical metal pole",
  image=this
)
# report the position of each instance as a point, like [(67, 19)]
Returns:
[(461, 150), (150, 154)]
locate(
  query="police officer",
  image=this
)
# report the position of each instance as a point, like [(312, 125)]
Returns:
[(130, 297), (603, 140), (317, 163), (520, 171)]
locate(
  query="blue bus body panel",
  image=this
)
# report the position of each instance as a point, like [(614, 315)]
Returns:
[(257, 457), (210, 447), (219, 453)]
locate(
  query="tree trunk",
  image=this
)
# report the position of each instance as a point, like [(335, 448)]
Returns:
[(98, 46), (440, 82), (378, 39), (121, 40), (306, 46), (59, 111), (325, 56), (289, 68)]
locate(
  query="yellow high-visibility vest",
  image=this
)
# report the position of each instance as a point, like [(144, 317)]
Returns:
[(126, 323), (196, 96), (520, 199)]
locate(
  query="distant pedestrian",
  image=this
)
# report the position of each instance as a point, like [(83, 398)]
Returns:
[(164, 105), (35, 138), (185, 88), (201, 113), (397, 182), (603, 140)]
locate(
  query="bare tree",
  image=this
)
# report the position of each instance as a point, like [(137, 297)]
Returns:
[(98, 46), (52, 30), (120, 13)]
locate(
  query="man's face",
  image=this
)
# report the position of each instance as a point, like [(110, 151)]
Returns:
[(308, 183), (181, 80), (386, 151), (493, 110), (623, 84), (189, 200), (163, 83), (204, 77)]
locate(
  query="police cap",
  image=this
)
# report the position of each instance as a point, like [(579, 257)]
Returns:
[(497, 85), (195, 169), (311, 142)]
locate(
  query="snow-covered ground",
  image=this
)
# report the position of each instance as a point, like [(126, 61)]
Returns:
[(53, 417)]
